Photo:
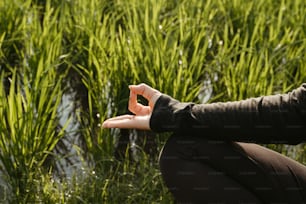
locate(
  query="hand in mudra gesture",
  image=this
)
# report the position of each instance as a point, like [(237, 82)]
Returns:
[(141, 119)]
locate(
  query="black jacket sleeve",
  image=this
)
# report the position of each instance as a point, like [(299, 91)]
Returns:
[(267, 119)]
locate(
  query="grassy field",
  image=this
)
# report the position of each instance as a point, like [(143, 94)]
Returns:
[(66, 65)]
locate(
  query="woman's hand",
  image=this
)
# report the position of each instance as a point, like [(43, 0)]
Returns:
[(141, 119)]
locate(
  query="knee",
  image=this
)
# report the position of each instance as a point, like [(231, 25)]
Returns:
[(168, 155), (180, 148), (176, 149), (171, 161)]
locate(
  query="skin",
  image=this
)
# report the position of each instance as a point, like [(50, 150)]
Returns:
[(141, 119)]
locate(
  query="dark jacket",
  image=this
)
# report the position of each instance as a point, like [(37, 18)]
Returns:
[(267, 119)]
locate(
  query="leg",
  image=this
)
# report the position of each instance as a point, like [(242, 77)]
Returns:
[(200, 170)]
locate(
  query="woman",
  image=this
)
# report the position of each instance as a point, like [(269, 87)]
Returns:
[(212, 156)]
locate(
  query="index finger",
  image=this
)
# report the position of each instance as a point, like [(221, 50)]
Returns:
[(147, 92)]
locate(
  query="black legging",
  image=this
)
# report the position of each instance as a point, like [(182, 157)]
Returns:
[(198, 170)]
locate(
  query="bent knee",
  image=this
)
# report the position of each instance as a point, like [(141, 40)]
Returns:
[(178, 148)]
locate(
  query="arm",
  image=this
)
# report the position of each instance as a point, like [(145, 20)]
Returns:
[(267, 119)]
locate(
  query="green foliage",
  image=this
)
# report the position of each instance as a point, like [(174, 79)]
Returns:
[(28, 129), (92, 50)]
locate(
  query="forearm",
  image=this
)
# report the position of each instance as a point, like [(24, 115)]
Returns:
[(268, 119)]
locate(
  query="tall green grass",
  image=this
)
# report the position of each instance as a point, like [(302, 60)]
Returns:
[(202, 51), (31, 93)]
